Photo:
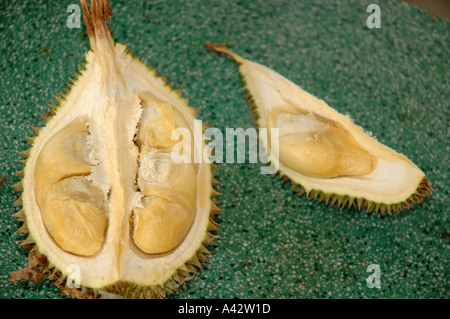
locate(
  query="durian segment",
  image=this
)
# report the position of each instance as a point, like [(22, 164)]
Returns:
[(161, 225), (169, 198), (64, 155), (156, 124), (168, 189), (71, 206), (74, 215), (318, 148), (360, 168)]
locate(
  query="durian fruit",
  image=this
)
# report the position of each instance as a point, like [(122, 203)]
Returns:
[(323, 153), (108, 209)]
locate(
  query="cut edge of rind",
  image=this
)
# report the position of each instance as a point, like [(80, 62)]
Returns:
[(345, 201)]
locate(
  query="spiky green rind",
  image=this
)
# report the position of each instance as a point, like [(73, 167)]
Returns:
[(40, 268), (345, 201)]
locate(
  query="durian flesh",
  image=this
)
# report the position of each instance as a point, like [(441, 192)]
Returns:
[(101, 192), (330, 157)]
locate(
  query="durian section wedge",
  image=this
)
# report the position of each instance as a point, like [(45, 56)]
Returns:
[(323, 151)]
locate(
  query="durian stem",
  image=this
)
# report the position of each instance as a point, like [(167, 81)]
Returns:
[(95, 21), (223, 49), (101, 41)]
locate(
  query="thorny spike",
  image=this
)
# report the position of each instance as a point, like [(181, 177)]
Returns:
[(19, 214), (25, 153), (30, 139), (20, 173), (18, 202), (18, 186), (202, 257)]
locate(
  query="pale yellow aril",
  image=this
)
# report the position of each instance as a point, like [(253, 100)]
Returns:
[(319, 148), (168, 189), (156, 124), (73, 214), (71, 206)]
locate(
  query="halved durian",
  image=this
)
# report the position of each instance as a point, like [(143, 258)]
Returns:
[(323, 152), (102, 198)]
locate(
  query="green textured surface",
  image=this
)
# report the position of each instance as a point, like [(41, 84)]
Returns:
[(393, 81)]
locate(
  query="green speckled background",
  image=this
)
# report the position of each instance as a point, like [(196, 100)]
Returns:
[(393, 81)]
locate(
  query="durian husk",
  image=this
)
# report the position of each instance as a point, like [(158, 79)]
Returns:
[(342, 201), (39, 268)]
